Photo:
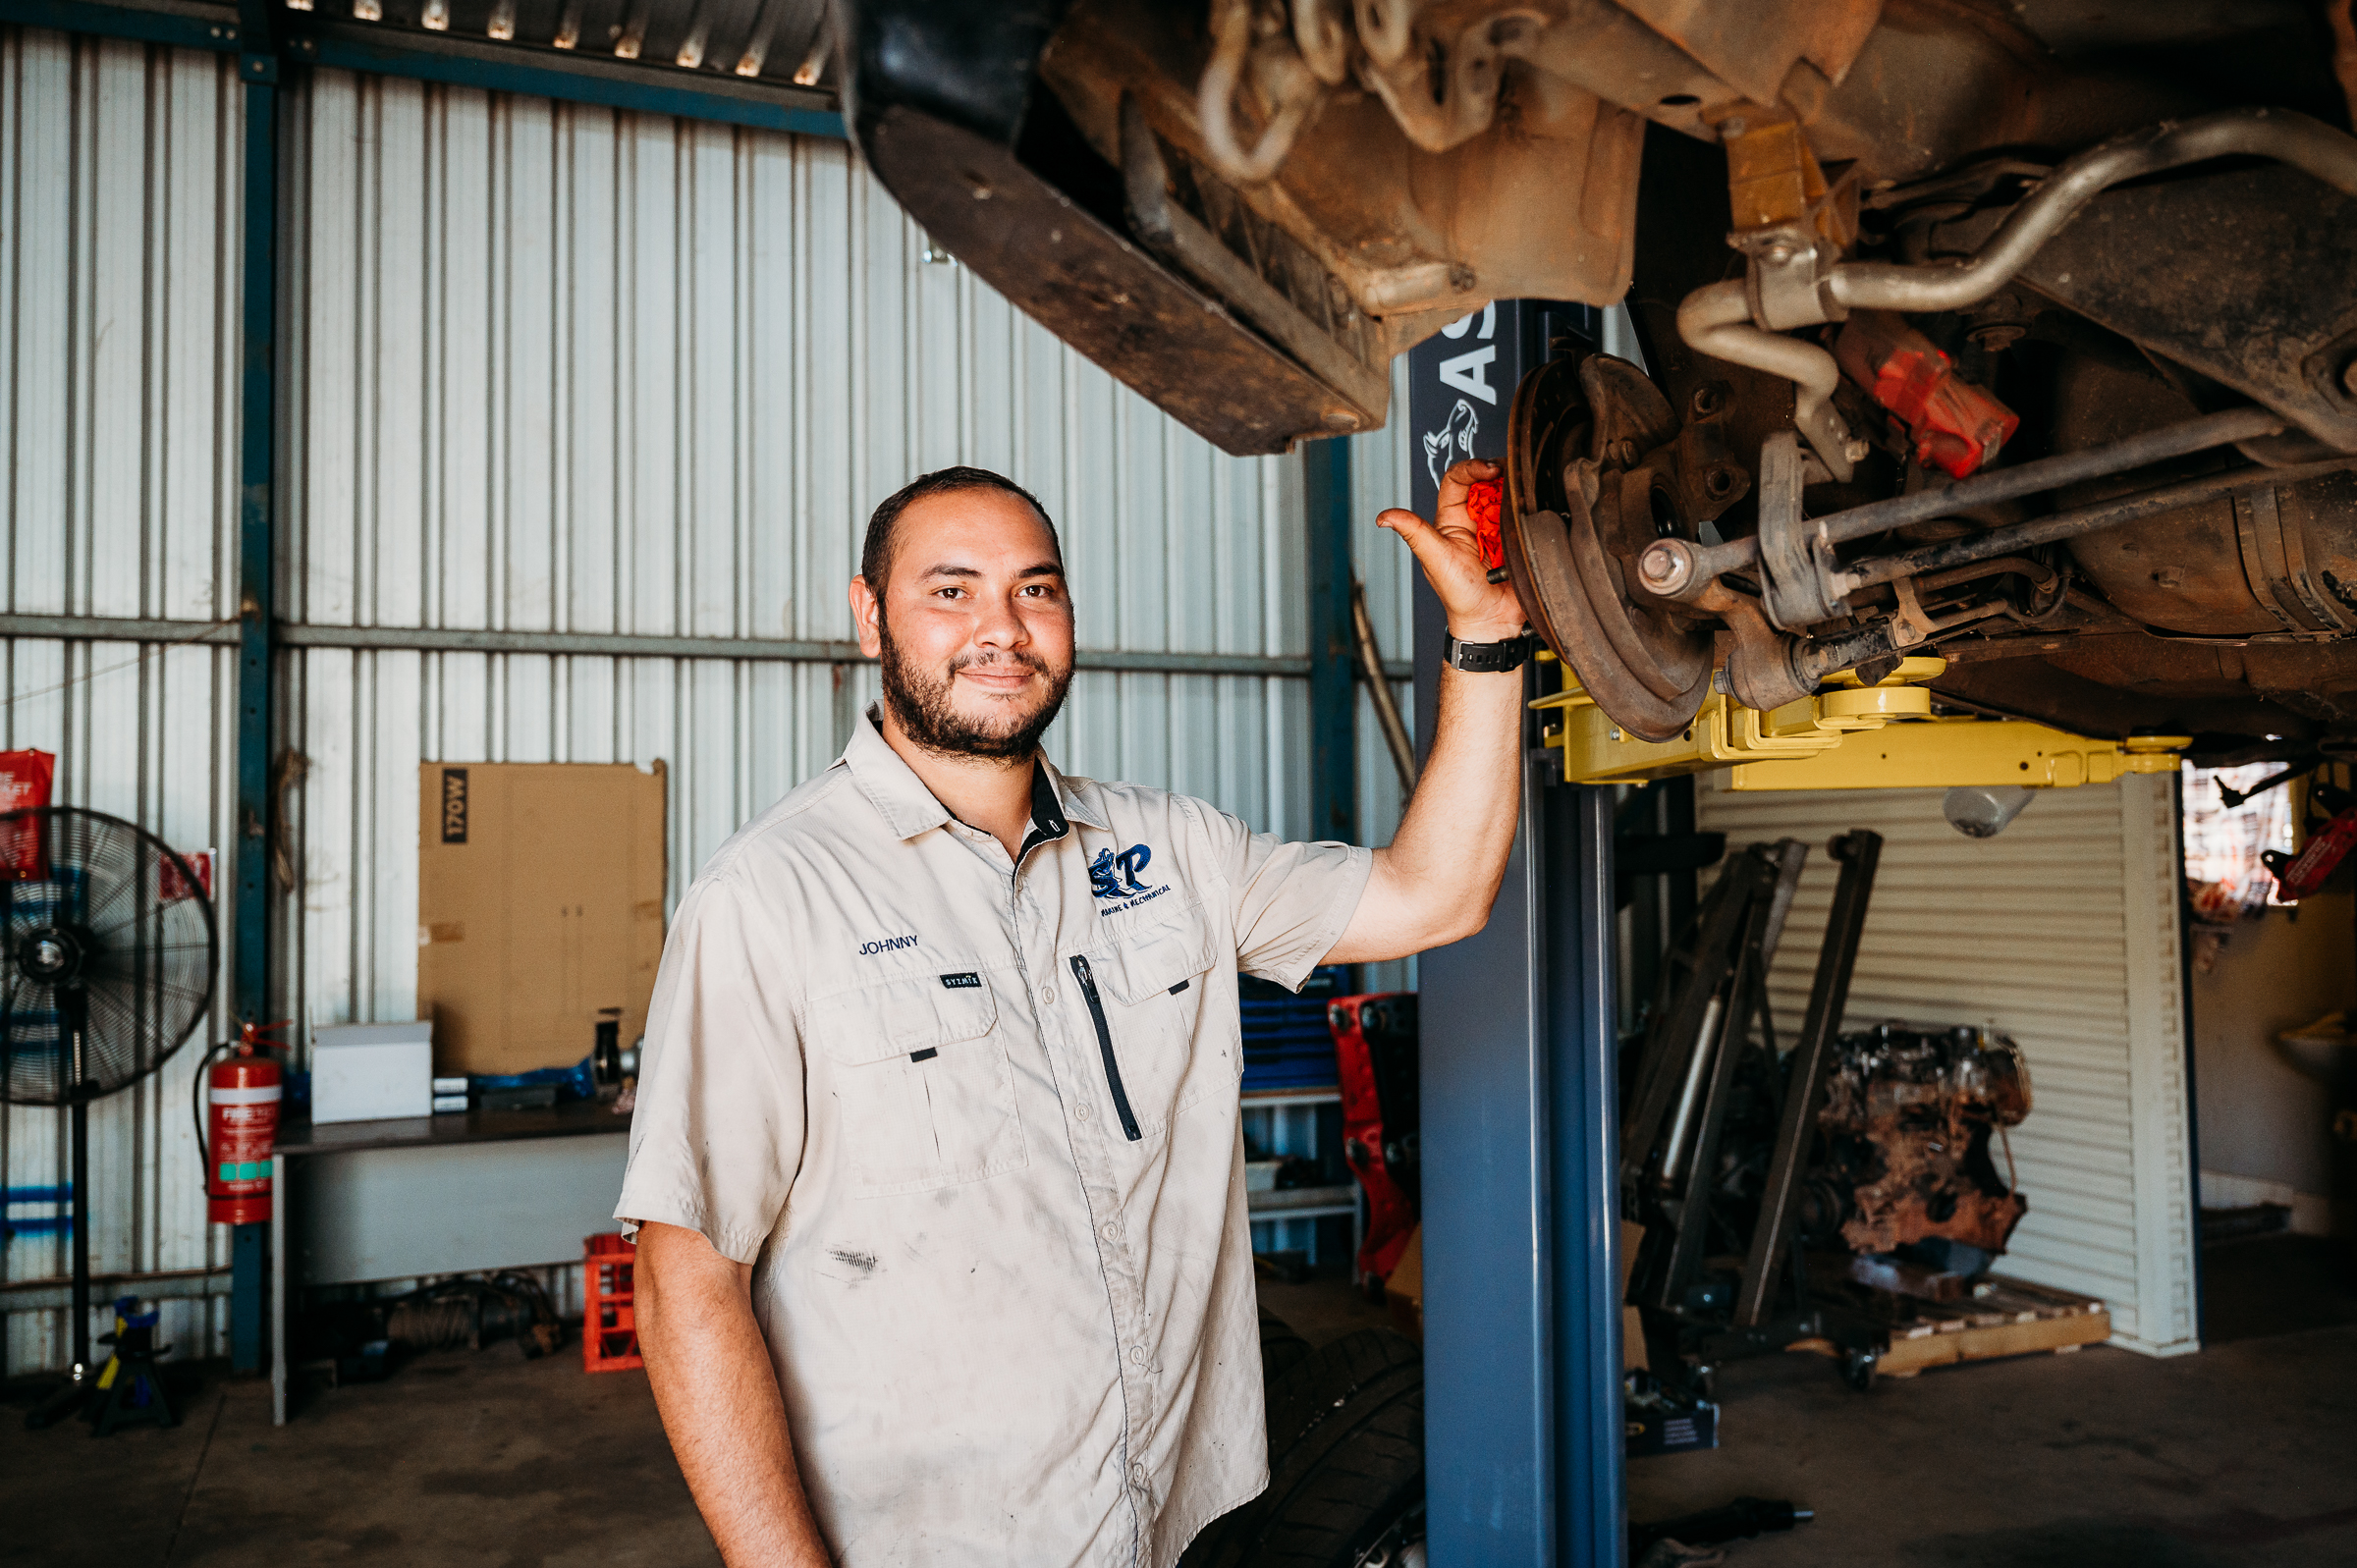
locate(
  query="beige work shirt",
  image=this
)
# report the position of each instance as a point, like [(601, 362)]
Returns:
[(975, 1122)]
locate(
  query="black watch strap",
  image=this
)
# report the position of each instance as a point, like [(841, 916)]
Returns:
[(1485, 657)]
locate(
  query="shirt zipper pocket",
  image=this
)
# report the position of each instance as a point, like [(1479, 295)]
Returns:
[(1113, 1067)]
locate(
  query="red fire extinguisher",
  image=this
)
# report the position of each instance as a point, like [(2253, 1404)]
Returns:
[(241, 1126)]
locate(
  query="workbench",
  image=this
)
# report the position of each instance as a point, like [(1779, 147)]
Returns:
[(399, 1199)]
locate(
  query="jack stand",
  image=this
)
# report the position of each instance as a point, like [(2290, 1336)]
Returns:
[(130, 1391)]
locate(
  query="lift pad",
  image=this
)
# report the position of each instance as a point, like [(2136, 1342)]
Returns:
[(1882, 736)]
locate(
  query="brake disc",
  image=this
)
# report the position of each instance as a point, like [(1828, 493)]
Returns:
[(1550, 407), (1580, 505)]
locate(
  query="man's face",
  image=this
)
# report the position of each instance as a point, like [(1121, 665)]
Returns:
[(974, 627)]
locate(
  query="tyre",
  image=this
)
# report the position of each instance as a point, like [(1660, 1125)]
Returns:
[(1281, 1349), (1346, 1465)]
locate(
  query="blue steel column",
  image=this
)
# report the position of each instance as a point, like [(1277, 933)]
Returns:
[(257, 413), (1332, 686), (1489, 1339), (1522, 1424), (1591, 1449)]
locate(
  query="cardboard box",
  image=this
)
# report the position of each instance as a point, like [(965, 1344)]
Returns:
[(1632, 1323), (539, 903), (371, 1071), (1403, 1291)]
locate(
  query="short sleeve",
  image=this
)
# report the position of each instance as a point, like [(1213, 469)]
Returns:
[(716, 1137), (1289, 901)]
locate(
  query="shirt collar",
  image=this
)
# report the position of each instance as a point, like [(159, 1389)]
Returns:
[(1078, 802), (908, 808), (891, 786)]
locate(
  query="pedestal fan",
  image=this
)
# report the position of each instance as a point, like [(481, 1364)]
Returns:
[(107, 954)]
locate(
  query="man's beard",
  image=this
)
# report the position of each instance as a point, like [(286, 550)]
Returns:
[(922, 706)]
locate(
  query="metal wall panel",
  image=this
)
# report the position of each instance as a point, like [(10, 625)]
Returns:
[(545, 367), (565, 368), (1379, 476), (2063, 932), (119, 200)]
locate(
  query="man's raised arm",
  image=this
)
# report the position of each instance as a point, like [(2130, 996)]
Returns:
[(718, 1395), (1435, 883)]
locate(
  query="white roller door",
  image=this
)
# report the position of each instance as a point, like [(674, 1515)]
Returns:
[(2063, 932)]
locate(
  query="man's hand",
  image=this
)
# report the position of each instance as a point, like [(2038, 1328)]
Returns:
[(1435, 882), (716, 1392), (1449, 552)]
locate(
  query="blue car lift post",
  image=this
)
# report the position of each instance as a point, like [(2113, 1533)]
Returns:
[(1522, 1407)]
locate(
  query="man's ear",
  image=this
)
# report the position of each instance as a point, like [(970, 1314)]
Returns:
[(866, 611)]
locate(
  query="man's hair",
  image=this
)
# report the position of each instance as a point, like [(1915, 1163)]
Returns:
[(875, 556)]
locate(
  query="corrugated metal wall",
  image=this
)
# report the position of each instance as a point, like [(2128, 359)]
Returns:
[(1379, 478), (118, 197), (563, 368), (546, 368), (2063, 932)]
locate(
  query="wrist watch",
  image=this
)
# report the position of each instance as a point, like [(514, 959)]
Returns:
[(1485, 657)]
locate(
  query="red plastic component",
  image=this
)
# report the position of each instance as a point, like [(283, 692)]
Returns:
[(1391, 1217), (608, 1323), (2301, 876), (1957, 425), (1484, 501)]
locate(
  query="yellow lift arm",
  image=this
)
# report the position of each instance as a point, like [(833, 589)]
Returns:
[(1882, 736)]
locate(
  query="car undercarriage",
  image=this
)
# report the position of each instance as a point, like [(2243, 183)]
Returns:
[(2024, 334)]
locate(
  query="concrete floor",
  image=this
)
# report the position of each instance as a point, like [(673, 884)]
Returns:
[(476, 1458), (480, 1458), (2243, 1455), (2239, 1456)]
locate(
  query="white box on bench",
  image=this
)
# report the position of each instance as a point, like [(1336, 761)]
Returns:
[(370, 1072)]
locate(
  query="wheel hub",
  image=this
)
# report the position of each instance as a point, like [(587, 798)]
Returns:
[(1590, 483)]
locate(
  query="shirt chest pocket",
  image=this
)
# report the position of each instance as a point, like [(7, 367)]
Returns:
[(1145, 992), (922, 1084)]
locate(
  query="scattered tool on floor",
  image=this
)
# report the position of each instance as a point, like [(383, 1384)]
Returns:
[(1739, 1520)]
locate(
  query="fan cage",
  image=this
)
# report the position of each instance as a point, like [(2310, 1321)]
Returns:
[(141, 921)]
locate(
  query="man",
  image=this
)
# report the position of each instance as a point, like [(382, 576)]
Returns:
[(936, 1170)]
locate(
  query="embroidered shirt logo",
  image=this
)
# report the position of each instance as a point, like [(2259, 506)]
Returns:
[(1112, 878), (887, 944)]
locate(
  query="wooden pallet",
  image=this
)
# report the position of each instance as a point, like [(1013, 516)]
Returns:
[(2003, 1318)]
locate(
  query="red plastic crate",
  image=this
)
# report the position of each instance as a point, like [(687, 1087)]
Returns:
[(609, 1325)]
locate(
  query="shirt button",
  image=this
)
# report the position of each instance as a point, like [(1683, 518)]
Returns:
[(1047, 996), (1138, 1473), (1112, 1231), (1137, 1353)]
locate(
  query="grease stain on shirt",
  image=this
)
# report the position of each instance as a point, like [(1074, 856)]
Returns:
[(855, 1264)]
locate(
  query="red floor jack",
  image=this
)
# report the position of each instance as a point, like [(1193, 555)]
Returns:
[(1375, 1048)]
